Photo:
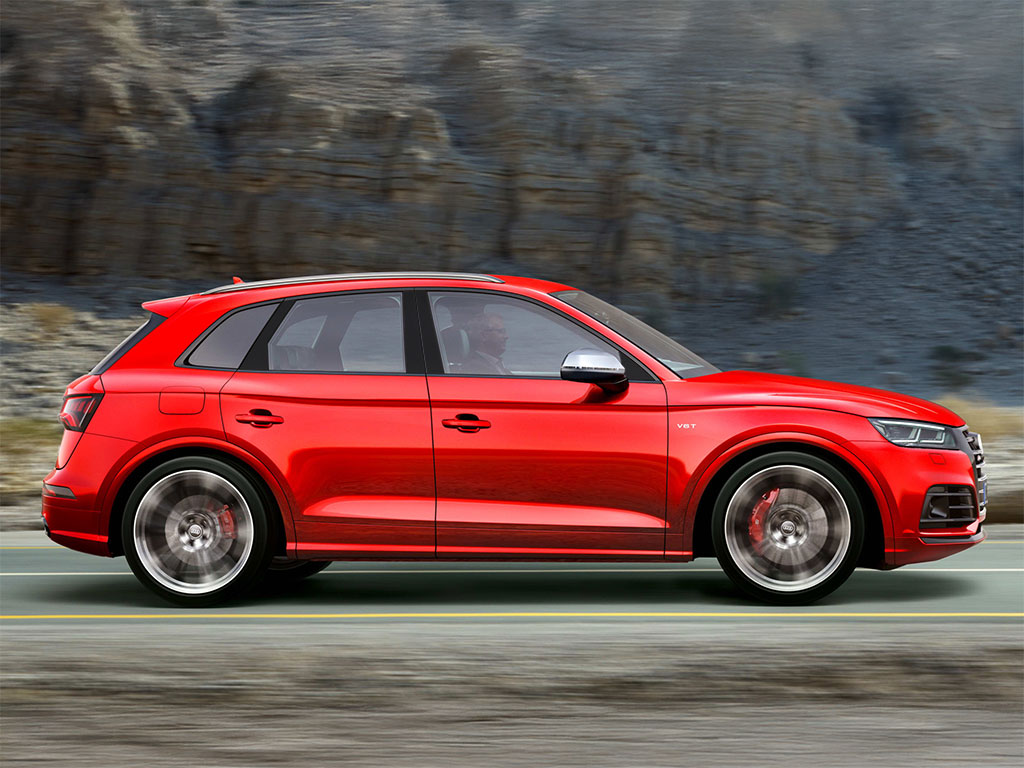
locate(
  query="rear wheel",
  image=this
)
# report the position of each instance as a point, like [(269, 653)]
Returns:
[(788, 528), (196, 531)]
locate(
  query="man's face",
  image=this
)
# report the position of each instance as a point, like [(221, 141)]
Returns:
[(493, 337)]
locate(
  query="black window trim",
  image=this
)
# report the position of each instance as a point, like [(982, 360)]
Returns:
[(432, 349), (255, 360)]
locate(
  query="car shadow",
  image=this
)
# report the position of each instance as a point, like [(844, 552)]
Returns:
[(426, 589)]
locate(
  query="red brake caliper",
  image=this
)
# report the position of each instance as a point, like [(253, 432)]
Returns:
[(757, 516), (226, 518)]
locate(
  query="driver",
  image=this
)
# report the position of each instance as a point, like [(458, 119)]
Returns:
[(487, 340)]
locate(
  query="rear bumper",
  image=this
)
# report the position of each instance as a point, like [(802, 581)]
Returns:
[(76, 517), (74, 525)]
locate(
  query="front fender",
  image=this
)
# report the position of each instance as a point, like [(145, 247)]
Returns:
[(687, 496)]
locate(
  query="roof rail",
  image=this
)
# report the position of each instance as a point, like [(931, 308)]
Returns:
[(353, 276)]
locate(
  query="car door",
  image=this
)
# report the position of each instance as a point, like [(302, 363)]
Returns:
[(528, 464), (333, 397)]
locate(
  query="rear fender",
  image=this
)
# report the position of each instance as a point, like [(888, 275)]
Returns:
[(178, 446)]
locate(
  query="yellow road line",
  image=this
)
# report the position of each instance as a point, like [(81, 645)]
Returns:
[(534, 615)]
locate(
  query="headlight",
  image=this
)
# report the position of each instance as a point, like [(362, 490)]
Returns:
[(915, 434)]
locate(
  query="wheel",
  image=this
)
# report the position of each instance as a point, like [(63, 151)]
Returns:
[(788, 528), (195, 531), (284, 571)]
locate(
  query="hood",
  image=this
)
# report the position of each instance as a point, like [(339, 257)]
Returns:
[(736, 388)]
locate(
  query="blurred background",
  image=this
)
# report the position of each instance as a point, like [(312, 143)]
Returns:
[(827, 188), (823, 188)]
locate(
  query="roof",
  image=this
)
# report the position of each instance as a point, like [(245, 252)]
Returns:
[(242, 286)]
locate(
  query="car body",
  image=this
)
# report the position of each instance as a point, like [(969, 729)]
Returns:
[(273, 427)]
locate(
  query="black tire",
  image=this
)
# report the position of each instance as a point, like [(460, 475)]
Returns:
[(788, 528), (196, 531), (283, 571)]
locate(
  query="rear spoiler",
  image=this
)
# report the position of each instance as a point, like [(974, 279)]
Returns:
[(165, 307)]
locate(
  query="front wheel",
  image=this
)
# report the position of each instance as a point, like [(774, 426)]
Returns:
[(788, 528), (195, 531)]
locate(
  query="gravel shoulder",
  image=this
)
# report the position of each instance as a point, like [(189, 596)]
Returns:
[(537, 693)]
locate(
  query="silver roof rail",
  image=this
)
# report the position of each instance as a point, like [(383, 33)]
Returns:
[(354, 276)]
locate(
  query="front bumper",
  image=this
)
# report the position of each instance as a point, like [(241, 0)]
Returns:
[(905, 475)]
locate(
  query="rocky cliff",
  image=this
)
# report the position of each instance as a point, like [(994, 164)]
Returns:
[(663, 150)]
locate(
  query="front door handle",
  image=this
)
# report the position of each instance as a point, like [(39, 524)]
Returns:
[(466, 422), (259, 417)]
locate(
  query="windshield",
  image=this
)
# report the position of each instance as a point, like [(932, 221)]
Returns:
[(668, 352)]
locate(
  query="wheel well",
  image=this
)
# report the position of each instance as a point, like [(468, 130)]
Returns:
[(121, 499), (873, 552)]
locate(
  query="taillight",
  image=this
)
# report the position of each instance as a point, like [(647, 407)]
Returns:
[(77, 411)]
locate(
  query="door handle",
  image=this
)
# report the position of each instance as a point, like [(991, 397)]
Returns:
[(259, 417), (466, 422)]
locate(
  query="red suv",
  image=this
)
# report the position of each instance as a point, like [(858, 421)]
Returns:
[(262, 430)]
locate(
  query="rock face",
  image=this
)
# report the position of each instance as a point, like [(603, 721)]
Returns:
[(655, 150)]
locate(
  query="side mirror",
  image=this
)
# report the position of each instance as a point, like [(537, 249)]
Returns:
[(592, 366)]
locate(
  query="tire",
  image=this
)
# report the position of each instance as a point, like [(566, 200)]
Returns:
[(788, 528), (196, 531), (283, 571)]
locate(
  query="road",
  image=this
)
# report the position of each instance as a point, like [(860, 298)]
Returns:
[(494, 664)]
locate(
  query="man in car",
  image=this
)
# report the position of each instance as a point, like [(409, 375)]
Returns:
[(487, 340)]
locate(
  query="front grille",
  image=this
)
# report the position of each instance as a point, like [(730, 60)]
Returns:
[(977, 453), (948, 506)]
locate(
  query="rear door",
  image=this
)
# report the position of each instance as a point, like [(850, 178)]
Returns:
[(528, 464), (333, 398)]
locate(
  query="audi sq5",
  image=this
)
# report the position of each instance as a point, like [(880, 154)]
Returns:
[(261, 430)]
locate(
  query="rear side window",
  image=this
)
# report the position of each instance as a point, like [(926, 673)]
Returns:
[(118, 352), (225, 346), (360, 333)]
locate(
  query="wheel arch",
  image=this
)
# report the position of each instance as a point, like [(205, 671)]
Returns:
[(876, 516), (265, 484)]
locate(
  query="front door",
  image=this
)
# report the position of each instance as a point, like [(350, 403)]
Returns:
[(334, 405), (528, 464)]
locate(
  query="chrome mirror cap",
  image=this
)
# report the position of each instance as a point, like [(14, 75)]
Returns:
[(594, 366)]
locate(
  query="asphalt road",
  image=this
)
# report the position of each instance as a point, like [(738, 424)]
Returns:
[(513, 664)]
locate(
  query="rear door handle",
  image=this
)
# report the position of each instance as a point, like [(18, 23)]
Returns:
[(259, 417), (466, 422)]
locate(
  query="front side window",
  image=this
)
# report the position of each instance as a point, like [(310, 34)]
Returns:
[(355, 333), (482, 335), (226, 345)]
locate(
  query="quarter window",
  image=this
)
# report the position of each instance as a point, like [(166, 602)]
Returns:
[(358, 333), (482, 335), (226, 345)]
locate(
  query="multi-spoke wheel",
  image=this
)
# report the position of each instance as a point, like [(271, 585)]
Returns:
[(788, 528), (195, 531)]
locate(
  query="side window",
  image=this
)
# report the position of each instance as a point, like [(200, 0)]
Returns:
[(499, 336), (356, 333), (225, 346)]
